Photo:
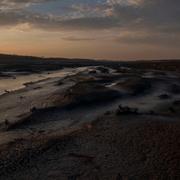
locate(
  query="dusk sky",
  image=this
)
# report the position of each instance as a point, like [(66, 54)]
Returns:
[(102, 29)]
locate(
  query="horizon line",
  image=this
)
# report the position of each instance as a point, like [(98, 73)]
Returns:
[(92, 59)]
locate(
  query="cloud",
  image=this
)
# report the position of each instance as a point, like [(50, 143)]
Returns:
[(74, 38), (18, 4), (140, 14), (158, 19)]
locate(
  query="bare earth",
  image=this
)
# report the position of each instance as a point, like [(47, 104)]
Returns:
[(99, 122)]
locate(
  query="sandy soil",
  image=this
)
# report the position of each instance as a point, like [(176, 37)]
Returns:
[(98, 123)]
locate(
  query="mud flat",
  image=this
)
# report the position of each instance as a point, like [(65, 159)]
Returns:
[(98, 122)]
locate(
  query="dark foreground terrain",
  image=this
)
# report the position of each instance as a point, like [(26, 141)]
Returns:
[(92, 121)]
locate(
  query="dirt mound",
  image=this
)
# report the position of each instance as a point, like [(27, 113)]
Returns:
[(135, 86), (170, 108), (85, 93), (174, 89), (103, 70)]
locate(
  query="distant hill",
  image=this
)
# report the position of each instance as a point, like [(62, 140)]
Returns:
[(163, 65), (30, 63), (38, 64)]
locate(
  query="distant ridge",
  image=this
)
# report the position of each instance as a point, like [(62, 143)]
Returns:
[(22, 57), (33, 64), (28, 57), (36, 64)]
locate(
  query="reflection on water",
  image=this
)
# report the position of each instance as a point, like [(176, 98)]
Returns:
[(17, 81)]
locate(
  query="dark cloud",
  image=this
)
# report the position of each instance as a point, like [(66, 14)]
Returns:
[(158, 18), (157, 14)]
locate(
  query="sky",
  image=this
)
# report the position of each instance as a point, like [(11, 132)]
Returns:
[(98, 29)]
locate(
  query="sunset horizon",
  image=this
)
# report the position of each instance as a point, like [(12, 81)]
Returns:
[(105, 29)]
